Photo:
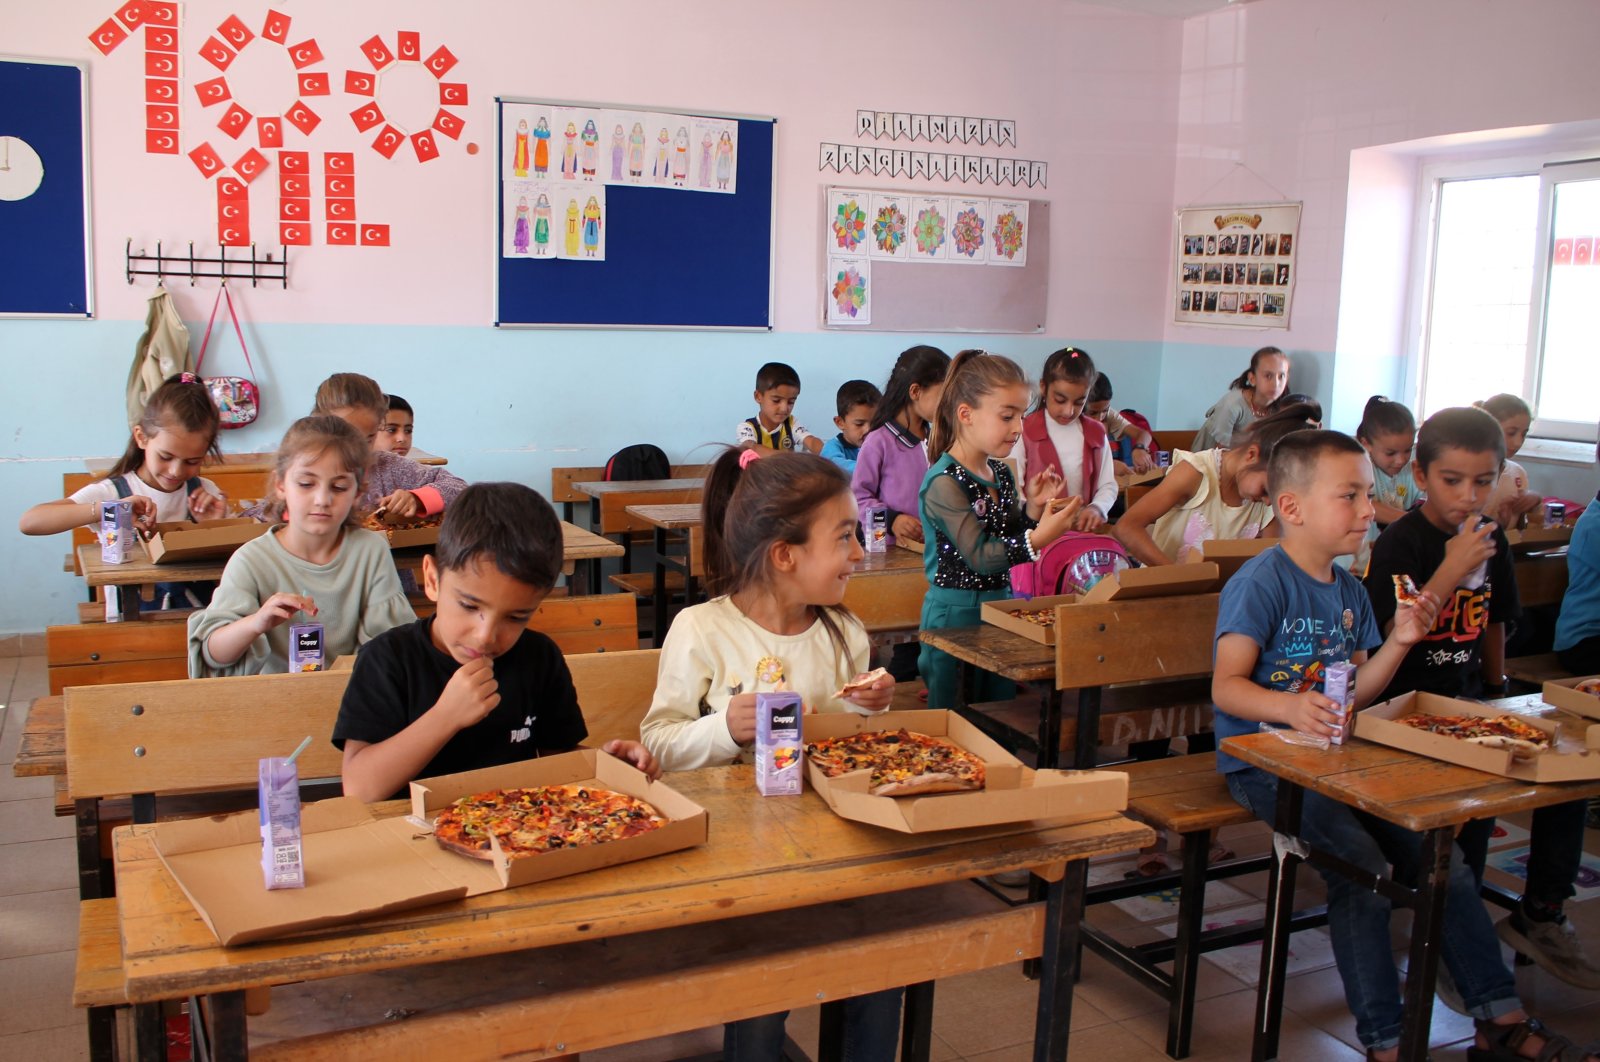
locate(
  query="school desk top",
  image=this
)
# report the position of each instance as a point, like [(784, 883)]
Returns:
[(261, 462), (594, 488), (668, 517)]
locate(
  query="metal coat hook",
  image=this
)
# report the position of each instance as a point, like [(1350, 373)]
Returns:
[(257, 267)]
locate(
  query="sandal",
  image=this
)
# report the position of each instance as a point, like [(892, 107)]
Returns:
[(1505, 1043), (1150, 865), (1220, 853)]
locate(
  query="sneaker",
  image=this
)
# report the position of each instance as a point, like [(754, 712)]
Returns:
[(1554, 946), (1444, 986)]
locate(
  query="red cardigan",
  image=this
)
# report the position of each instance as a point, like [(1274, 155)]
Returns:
[(1041, 452)]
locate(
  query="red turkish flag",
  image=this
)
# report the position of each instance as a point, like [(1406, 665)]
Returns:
[(338, 186), (453, 94), (305, 53), (276, 27), (408, 45), (235, 32), (302, 117), (160, 39), (213, 91), (366, 116), (160, 116), (1582, 246), (359, 84), (206, 160), (314, 85), (388, 141), (160, 142), (440, 62), (294, 234), (216, 53), (235, 120), (293, 185), (448, 124), (269, 132), (233, 212), (160, 90), (377, 53), (160, 64), (342, 234), (1564, 251), (160, 13), (294, 161), (424, 146), (233, 233), (340, 209), (134, 14), (339, 162), (294, 209), (251, 164), (107, 36), (231, 188), (374, 235)]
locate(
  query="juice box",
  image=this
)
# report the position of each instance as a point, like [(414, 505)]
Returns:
[(1339, 685), (305, 648), (875, 529), (278, 788), (116, 531), (778, 748)]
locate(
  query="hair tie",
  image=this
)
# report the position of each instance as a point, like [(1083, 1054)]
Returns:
[(749, 457), (188, 377)]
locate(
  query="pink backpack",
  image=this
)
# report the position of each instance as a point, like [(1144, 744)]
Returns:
[(1072, 564)]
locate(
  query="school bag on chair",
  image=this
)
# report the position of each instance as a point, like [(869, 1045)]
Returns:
[(1072, 564), (237, 399), (639, 461), (162, 351)]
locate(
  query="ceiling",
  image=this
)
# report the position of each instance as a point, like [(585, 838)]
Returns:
[(1167, 8)]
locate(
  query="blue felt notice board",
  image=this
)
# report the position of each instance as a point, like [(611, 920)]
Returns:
[(674, 259), (44, 271)]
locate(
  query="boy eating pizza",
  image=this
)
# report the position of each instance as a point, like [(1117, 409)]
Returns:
[(1287, 615), (471, 687)]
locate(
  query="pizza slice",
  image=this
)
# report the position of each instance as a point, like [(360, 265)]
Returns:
[(901, 763), (1406, 593), (1500, 732), (865, 682), (1589, 686)]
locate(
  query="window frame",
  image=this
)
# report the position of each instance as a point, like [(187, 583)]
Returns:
[(1551, 173)]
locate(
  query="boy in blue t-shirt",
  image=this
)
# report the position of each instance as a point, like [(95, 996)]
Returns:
[(1283, 619), (857, 401)]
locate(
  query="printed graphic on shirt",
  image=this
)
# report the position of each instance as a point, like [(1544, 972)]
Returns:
[(525, 731), (1463, 618), (1305, 645), (1198, 530)]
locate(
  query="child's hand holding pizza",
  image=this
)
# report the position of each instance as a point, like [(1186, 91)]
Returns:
[(1414, 617), (471, 694), (280, 608), (872, 690), (401, 505)]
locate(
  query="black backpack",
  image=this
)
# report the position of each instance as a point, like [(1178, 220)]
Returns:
[(640, 461)]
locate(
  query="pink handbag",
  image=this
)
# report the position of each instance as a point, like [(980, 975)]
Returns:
[(237, 398)]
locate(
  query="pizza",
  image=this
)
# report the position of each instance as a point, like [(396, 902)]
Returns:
[(863, 683), (902, 763), (1499, 732), (1039, 617), (1057, 504), (541, 819), (1589, 686), (1405, 591), (382, 522)]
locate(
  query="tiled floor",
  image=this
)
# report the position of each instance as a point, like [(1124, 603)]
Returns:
[(985, 1016)]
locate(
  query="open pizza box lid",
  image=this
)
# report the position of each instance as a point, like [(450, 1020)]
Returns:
[(1563, 693), (688, 823), (1570, 758), (182, 541), (1165, 580), (1012, 792), (1004, 614), (1230, 554), (1531, 538)]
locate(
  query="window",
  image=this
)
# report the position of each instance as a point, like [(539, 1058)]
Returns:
[(1510, 299)]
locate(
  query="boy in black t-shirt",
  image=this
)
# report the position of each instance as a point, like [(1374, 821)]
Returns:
[(1460, 453), (471, 687)]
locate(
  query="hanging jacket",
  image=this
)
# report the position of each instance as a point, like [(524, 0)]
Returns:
[(161, 352)]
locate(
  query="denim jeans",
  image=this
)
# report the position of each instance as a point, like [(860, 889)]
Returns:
[(871, 1031), (1358, 917), (1555, 850)]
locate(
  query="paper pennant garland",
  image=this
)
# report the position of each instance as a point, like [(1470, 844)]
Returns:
[(937, 165), (935, 128)]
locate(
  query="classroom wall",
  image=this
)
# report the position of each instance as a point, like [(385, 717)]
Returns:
[(1093, 90)]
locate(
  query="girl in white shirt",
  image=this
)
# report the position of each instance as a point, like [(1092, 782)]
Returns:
[(1056, 435), (1511, 500)]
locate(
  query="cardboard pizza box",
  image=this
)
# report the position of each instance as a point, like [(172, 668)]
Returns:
[(1005, 615), (1563, 694), (688, 823), (181, 542), (1012, 792), (1230, 554), (1532, 538), (1574, 756), (1149, 475), (1166, 580), (405, 537)]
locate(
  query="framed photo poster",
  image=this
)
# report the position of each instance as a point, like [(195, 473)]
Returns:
[(1236, 265)]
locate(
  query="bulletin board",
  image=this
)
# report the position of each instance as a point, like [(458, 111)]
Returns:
[(44, 189), (673, 256), (933, 261), (1236, 265)]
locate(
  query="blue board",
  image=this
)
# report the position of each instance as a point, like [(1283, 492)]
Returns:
[(45, 269), (674, 259)]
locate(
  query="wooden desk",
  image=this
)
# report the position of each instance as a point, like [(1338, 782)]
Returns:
[(764, 856), (676, 524), (577, 544), (1026, 662), (1418, 793), (258, 462), (43, 751), (1541, 577)]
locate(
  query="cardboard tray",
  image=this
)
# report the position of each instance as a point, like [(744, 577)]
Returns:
[(1563, 694), (1003, 614), (1012, 793), (403, 537), (1231, 554), (1538, 537), (1574, 756), (358, 866), (181, 542), (1166, 580)]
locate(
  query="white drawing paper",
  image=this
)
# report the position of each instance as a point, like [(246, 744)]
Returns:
[(714, 155), (593, 144), (930, 229), (889, 227), (526, 129), (969, 230), (849, 226), (579, 220), (848, 291), (1008, 232), (565, 125)]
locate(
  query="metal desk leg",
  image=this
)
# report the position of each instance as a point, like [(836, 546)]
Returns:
[(230, 1035), (830, 1031), (94, 882), (1086, 751), (1186, 957), (149, 1033), (1287, 851), (102, 1034), (916, 1027), (658, 622), (1063, 915), (1427, 922)]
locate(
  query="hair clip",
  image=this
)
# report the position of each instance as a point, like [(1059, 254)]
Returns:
[(749, 457), (188, 377)]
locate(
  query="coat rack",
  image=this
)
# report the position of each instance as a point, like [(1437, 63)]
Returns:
[(255, 268)]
